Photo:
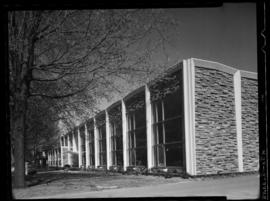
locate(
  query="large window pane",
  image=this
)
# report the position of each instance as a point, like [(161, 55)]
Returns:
[(119, 130), (91, 148), (103, 132), (141, 138), (172, 105), (141, 156), (159, 111), (160, 133), (104, 145), (132, 157), (174, 154), (160, 150), (173, 131), (140, 118), (119, 143), (119, 157)]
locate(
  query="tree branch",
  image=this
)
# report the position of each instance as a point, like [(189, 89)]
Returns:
[(56, 96)]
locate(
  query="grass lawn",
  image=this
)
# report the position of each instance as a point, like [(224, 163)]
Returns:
[(60, 182)]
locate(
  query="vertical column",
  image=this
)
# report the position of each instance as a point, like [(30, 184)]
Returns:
[(74, 141), (79, 147), (49, 158), (73, 133), (61, 152), (189, 115), (96, 143), (58, 157), (149, 136), (54, 158), (108, 139), (238, 117), (124, 127), (87, 153), (69, 149)]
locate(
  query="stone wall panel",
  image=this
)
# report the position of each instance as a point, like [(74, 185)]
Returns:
[(215, 126), (250, 133)]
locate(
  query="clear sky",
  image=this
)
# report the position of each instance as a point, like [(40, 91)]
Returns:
[(224, 34)]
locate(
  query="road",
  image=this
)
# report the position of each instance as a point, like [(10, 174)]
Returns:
[(240, 187)]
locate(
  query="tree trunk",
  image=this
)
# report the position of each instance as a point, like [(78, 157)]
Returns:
[(18, 130), (19, 180)]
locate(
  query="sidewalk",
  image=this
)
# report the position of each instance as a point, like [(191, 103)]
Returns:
[(243, 187)]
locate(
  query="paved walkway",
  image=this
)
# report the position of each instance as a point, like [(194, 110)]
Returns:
[(240, 187)]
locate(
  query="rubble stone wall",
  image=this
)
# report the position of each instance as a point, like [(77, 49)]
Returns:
[(215, 125), (250, 131)]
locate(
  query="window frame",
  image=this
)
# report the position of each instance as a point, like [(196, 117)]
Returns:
[(113, 144), (132, 144), (91, 143), (102, 151), (155, 124)]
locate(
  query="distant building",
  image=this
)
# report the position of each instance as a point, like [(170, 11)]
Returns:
[(200, 118)]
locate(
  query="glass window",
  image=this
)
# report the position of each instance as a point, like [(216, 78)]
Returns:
[(119, 143), (160, 150), (158, 112), (132, 157), (174, 154), (168, 130), (141, 156), (71, 141), (140, 118), (102, 144), (131, 140), (119, 158), (172, 105), (173, 131), (137, 137), (140, 137)]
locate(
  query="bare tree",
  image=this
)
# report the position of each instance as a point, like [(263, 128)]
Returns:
[(65, 60)]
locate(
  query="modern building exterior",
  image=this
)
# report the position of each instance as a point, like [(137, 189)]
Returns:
[(200, 117)]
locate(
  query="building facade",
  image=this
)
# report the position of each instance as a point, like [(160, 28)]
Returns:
[(200, 117)]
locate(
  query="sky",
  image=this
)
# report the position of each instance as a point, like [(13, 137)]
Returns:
[(225, 34)]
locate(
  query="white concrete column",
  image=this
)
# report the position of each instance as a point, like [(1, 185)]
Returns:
[(79, 147), (74, 141), (96, 143), (54, 157), (149, 133), (108, 140), (189, 115), (58, 156), (61, 152), (49, 158), (69, 149), (87, 153), (238, 117), (124, 127)]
